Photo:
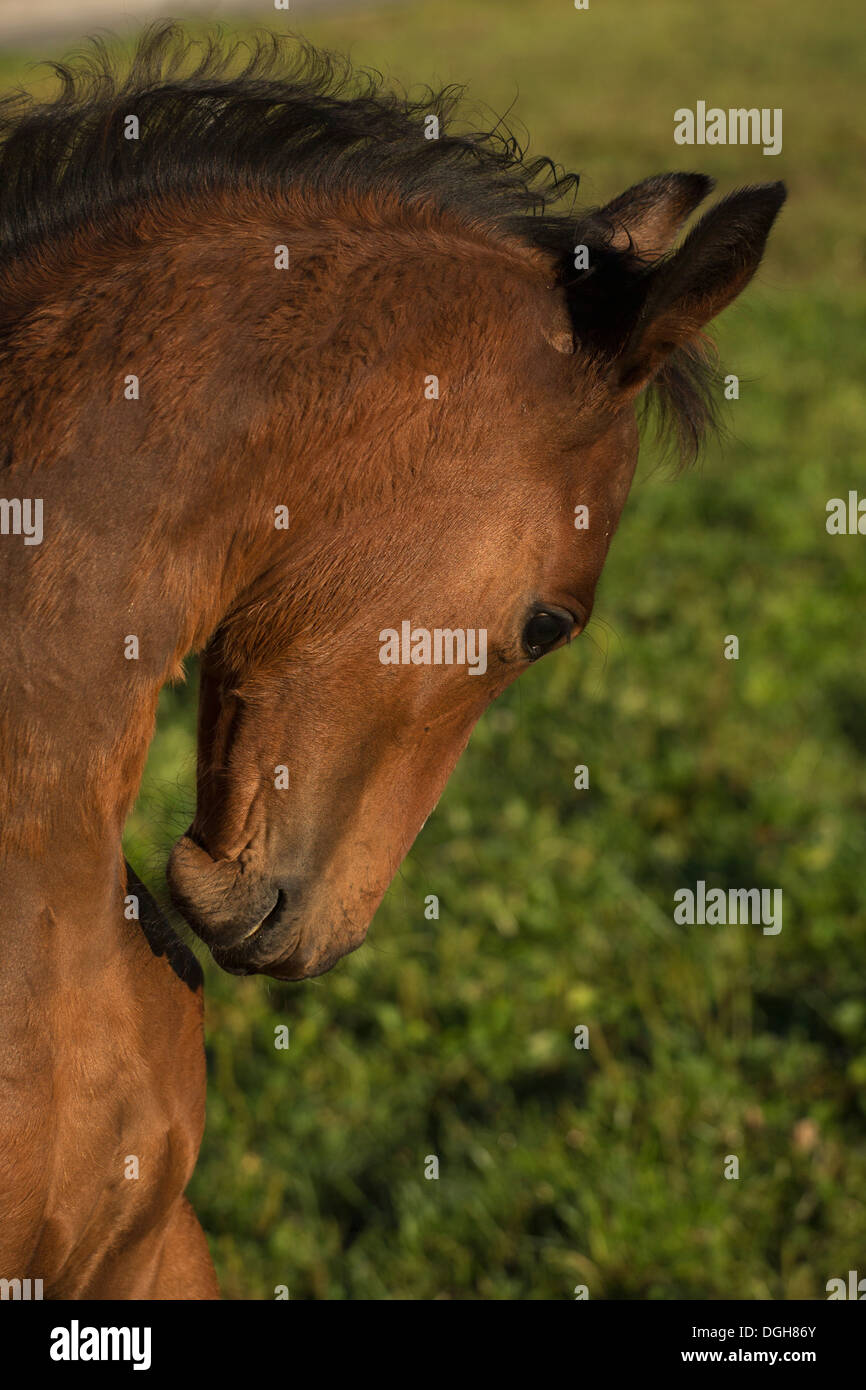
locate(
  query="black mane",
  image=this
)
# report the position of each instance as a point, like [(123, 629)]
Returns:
[(277, 111)]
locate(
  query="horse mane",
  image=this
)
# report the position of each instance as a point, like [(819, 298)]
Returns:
[(274, 111)]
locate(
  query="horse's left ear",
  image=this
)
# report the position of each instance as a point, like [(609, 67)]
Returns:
[(646, 218), (682, 293)]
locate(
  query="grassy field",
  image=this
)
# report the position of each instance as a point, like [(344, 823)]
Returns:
[(455, 1038)]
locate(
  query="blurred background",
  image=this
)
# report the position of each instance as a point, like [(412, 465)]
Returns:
[(455, 1037)]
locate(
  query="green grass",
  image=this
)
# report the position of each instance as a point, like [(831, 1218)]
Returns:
[(454, 1038)]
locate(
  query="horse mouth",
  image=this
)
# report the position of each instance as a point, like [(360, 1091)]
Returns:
[(284, 950), (269, 919), (235, 961), (253, 954)]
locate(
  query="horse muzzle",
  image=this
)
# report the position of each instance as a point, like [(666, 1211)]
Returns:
[(252, 923)]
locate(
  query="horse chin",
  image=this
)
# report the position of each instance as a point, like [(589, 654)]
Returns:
[(301, 961)]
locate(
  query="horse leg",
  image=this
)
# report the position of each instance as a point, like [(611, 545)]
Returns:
[(172, 1261), (185, 1269)]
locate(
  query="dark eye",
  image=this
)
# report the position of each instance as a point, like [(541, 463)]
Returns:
[(544, 630)]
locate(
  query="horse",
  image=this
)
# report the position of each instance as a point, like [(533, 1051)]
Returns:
[(298, 374)]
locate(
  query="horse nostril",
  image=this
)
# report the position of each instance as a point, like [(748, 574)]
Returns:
[(223, 902)]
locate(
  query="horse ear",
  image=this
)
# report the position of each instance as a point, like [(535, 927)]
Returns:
[(646, 218), (682, 293)]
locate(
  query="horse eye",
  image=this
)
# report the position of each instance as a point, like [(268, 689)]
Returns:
[(544, 630)]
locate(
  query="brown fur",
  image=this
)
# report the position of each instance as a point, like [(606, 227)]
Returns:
[(261, 388)]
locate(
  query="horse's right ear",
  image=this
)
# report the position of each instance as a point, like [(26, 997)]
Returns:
[(683, 292), (646, 218)]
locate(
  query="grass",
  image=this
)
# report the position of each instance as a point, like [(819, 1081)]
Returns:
[(454, 1038)]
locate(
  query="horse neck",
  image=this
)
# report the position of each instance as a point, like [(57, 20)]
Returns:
[(149, 533)]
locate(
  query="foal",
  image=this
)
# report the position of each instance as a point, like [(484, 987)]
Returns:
[(284, 375)]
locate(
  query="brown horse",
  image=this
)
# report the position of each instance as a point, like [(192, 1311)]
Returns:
[(293, 377)]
